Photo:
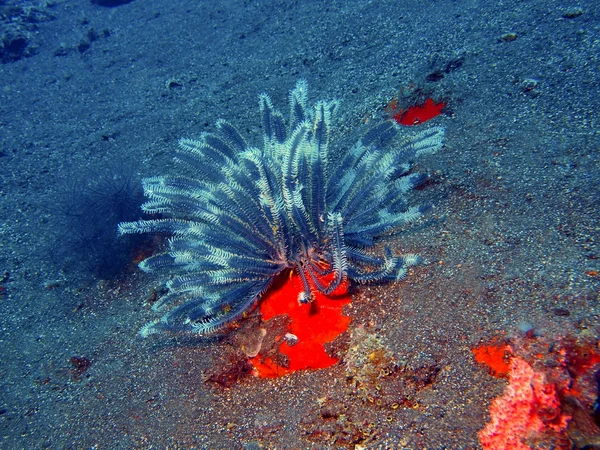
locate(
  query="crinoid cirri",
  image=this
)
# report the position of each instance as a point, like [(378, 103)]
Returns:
[(245, 214)]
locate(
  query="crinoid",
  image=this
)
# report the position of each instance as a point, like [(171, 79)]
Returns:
[(246, 214)]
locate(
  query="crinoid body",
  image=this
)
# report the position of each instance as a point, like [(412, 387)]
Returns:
[(246, 214)]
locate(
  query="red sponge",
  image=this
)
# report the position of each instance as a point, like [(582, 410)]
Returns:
[(312, 325)]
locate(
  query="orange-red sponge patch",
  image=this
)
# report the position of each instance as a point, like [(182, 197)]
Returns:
[(312, 325), (528, 411)]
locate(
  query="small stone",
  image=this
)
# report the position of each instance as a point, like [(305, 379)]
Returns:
[(572, 13), (173, 83), (526, 327), (529, 84), (529, 87), (508, 37), (563, 312), (51, 284), (254, 343), (290, 339)]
